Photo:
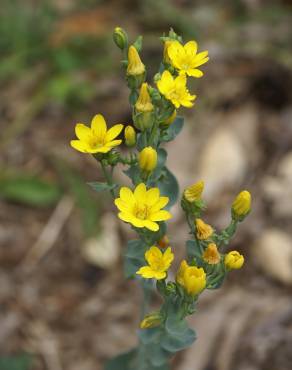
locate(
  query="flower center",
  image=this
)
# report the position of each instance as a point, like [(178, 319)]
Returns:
[(95, 142), (141, 212), (173, 94)]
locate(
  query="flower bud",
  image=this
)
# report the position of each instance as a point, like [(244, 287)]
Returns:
[(163, 242), (152, 320), (130, 136), (135, 65), (144, 103), (204, 231), (211, 254), (241, 205), (191, 278), (233, 260), (120, 38), (194, 192), (147, 159)]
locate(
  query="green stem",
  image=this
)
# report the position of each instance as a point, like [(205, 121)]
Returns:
[(108, 177)]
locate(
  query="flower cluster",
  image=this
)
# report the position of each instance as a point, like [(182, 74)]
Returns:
[(146, 203)]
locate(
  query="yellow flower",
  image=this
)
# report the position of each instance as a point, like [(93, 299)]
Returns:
[(135, 65), (194, 192), (130, 136), (191, 278), (144, 103), (204, 231), (233, 260), (147, 159), (211, 254), (97, 138), (158, 263), (185, 58), (142, 208), (151, 321), (175, 90), (242, 203)]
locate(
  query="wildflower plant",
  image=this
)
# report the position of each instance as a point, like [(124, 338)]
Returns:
[(146, 204)]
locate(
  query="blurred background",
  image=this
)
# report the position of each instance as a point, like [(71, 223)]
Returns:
[(64, 304)]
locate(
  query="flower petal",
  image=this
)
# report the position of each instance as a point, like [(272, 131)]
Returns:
[(162, 202), (82, 132), (152, 196), (101, 149), (160, 275), (153, 255), (123, 206), (127, 195), (98, 127), (113, 132), (146, 272), (160, 216), (113, 143), (195, 73), (140, 193), (79, 145), (165, 84), (153, 226), (191, 47), (168, 257)]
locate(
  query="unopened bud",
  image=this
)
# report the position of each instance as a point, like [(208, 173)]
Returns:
[(204, 231), (241, 205), (194, 192), (144, 103), (233, 260), (135, 65), (163, 242), (120, 38), (147, 159), (211, 254), (130, 136)]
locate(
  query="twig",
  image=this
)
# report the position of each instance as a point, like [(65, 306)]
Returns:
[(50, 233)]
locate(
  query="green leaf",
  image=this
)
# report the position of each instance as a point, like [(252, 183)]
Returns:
[(193, 251), (102, 186), (123, 361), (18, 362), (177, 343), (133, 172), (148, 336), (141, 140), (134, 257), (173, 130), (29, 190), (138, 43), (168, 186)]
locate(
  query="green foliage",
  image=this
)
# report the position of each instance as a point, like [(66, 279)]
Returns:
[(173, 130), (102, 186), (17, 362), (123, 361), (168, 186), (29, 190), (134, 257), (194, 251)]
